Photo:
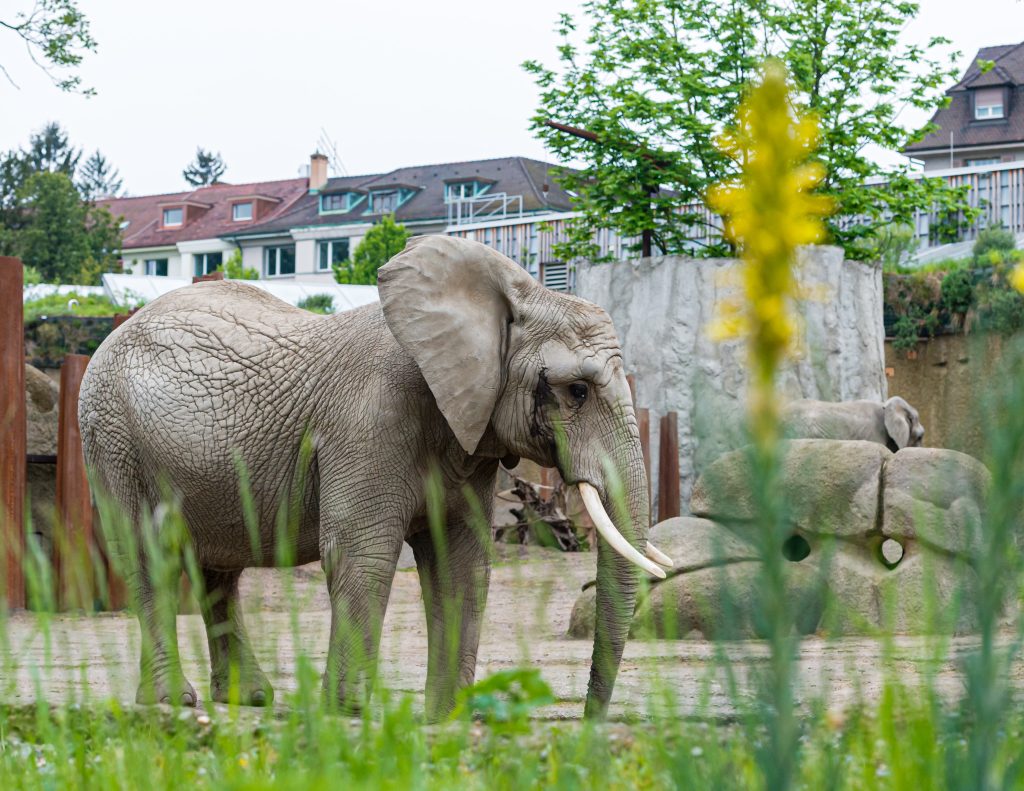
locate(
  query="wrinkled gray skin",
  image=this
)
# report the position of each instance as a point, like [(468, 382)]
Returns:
[(466, 362), (894, 424)]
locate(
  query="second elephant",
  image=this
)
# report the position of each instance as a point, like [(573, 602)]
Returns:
[(894, 423)]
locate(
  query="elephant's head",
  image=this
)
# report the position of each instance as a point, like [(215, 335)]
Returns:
[(518, 370), (902, 423)]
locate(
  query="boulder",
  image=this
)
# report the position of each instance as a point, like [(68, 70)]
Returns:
[(831, 486), (937, 497), (41, 409)]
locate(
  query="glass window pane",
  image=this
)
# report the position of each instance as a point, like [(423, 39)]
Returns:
[(322, 255), (286, 261), (172, 216), (339, 251), (242, 211), (271, 255), (213, 261)]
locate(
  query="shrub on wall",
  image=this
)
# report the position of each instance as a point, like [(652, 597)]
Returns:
[(994, 246)]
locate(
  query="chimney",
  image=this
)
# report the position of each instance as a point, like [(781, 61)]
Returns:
[(317, 172)]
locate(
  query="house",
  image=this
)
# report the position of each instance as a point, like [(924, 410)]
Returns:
[(185, 234), (298, 229), (983, 123), (325, 226)]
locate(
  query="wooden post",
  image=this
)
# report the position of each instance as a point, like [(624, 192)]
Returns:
[(643, 423), (668, 467), (73, 545), (13, 439), (631, 381)]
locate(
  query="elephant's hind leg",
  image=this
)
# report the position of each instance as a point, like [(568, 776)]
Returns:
[(162, 680), (235, 675)]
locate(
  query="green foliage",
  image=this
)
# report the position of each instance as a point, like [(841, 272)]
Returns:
[(234, 270), (98, 178), (1001, 309), (31, 276), (958, 291), (60, 305), (318, 303), (506, 699), (656, 82), (890, 244), (43, 218), (205, 169), (994, 245), (65, 239), (383, 241), (56, 35)]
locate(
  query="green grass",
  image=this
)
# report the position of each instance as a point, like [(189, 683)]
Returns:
[(57, 305)]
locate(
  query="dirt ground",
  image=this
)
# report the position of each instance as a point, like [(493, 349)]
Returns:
[(531, 596)]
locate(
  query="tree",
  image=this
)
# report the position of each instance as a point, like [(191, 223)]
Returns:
[(233, 268), (656, 82), (56, 35), (382, 241), (64, 238), (205, 169), (98, 179), (49, 150)]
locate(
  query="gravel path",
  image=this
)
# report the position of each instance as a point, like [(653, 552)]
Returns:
[(71, 658)]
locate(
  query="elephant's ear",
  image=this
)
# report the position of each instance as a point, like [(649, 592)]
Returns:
[(897, 421), (449, 303)]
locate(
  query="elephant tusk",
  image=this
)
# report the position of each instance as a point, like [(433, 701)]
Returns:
[(608, 531), (658, 556)]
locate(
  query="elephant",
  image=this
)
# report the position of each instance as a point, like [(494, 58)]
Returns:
[(467, 362), (894, 423)]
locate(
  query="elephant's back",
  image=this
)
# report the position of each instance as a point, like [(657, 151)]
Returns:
[(200, 370)]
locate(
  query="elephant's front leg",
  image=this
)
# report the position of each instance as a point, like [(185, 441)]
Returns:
[(454, 576), (359, 560)]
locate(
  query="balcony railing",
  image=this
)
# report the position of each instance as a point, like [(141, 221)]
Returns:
[(485, 208)]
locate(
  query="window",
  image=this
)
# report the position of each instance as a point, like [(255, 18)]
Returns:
[(988, 103), (241, 211), (383, 202), (329, 252), (156, 266), (463, 189), (279, 260), (205, 263), (173, 217), (971, 163)]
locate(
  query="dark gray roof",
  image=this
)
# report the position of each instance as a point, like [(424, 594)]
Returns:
[(958, 117), (532, 179)]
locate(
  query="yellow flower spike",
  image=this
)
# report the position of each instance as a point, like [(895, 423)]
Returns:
[(1017, 277), (767, 214)]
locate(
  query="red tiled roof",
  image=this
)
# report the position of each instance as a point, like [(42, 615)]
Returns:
[(144, 213)]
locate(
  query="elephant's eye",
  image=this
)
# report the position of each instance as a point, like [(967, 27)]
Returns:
[(578, 391)]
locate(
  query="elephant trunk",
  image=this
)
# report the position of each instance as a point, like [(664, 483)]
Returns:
[(618, 577)]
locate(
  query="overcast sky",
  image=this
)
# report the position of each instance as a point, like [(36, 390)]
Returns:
[(393, 82)]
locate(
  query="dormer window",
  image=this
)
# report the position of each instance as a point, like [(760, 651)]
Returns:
[(461, 190), (383, 202), (988, 104), (339, 201), (241, 212), (173, 217)]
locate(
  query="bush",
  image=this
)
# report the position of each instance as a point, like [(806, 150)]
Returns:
[(233, 269), (957, 292), (994, 245), (318, 303), (1002, 311), (891, 245)]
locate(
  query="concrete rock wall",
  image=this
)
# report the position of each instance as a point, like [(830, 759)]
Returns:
[(662, 308)]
